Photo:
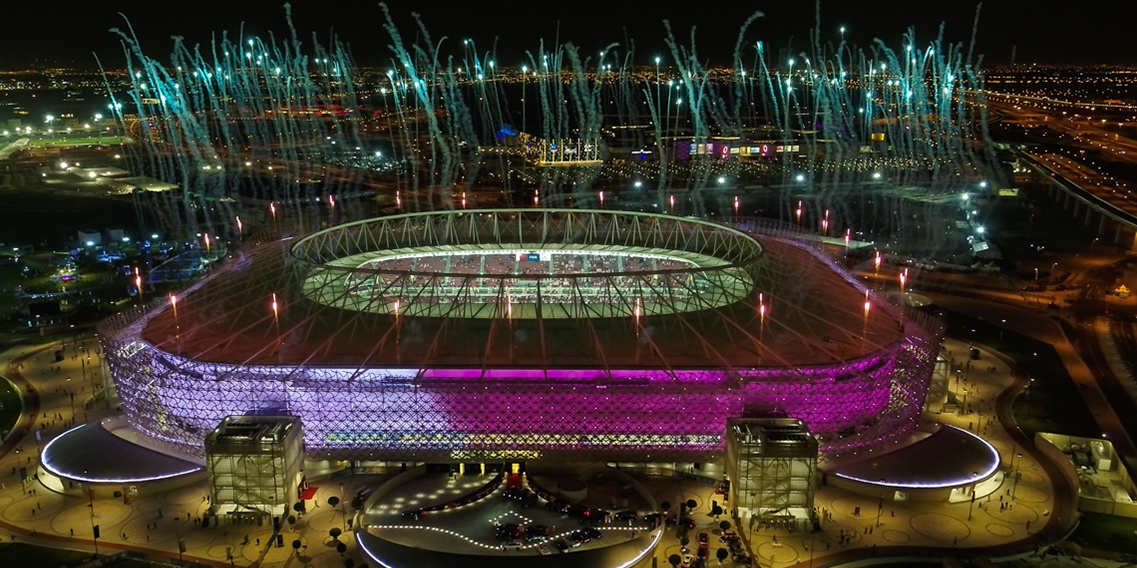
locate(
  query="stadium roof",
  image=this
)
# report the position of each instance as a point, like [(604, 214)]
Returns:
[(255, 310)]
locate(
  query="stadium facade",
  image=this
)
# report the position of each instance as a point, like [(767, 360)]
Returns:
[(525, 334)]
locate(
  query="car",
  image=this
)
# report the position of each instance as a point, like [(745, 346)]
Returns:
[(626, 516), (741, 560), (536, 532), (688, 561), (592, 533), (578, 537), (509, 530), (546, 549), (704, 540), (573, 509), (413, 515), (702, 552), (728, 536), (560, 545)]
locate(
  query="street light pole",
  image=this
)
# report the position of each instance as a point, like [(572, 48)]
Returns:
[(880, 502), (974, 475), (94, 527)]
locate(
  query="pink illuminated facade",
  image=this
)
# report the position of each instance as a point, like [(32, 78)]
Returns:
[(636, 340)]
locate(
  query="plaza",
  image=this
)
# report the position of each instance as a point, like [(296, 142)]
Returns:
[(852, 524)]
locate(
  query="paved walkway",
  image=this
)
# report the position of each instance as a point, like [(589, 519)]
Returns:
[(154, 523), (1007, 520)]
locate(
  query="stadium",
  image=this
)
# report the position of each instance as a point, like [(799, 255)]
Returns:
[(529, 334)]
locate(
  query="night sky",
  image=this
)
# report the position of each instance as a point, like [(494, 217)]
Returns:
[(1044, 31)]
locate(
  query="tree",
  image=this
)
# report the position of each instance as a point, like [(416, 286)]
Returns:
[(357, 502), (725, 525), (348, 562), (721, 554), (332, 502), (335, 533), (341, 547), (291, 520), (296, 544), (684, 541), (716, 511), (674, 560), (691, 504)]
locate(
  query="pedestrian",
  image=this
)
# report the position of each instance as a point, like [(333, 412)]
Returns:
[(258, 542)]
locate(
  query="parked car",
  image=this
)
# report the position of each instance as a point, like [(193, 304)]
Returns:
[(509, 530), (578, 537), (536, 532), (592, 533), (625, 516)]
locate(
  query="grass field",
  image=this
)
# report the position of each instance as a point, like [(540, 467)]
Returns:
[(87, 141), (1053, 403), (1107, 532), (11, 408)]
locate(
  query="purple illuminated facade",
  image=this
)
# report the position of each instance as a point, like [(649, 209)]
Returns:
[(652, 375)]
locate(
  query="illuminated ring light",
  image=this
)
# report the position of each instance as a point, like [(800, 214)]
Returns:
[(993, 461), (527, 263), (48, 464)]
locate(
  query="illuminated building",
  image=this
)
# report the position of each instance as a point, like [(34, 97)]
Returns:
[(526, 334)]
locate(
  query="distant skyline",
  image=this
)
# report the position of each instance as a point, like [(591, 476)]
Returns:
[(1044, 31)]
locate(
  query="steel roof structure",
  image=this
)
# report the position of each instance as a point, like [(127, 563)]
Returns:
[(608, 333)]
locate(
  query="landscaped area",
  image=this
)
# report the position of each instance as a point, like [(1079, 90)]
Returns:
[(1053, 402), (1106, 533), (10, 406)]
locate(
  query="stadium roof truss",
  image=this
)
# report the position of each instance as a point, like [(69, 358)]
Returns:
[(614, 364)]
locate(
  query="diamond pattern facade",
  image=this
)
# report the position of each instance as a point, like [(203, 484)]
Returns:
[(642, 364)]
